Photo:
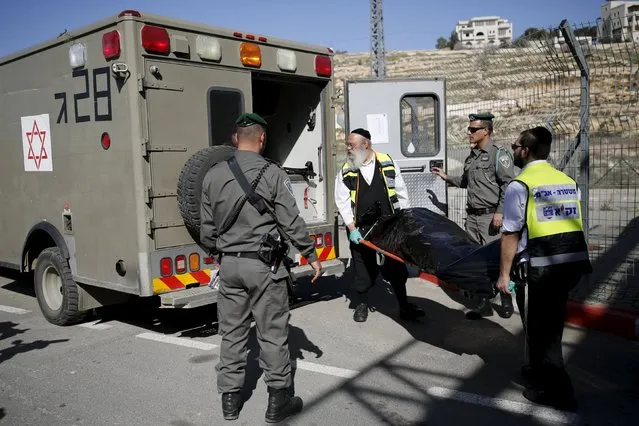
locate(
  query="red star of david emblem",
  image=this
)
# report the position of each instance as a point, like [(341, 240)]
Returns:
[(35, 131)]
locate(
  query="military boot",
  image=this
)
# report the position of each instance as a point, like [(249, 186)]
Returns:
[(361, 312), (231, 405), (484, 309), (281, 405)]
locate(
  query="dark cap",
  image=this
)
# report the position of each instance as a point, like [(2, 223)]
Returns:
[(250, 119), (362, 132), (481, 116)]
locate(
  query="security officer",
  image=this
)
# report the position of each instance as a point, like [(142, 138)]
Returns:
[(247, 285), (544, 250), (487, 171), (369, 187)]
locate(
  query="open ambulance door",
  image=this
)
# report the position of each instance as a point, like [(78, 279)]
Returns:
[(407, 120)]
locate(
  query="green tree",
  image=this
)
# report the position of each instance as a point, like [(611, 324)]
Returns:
[(441, 43), (587, 32), (453, 39)]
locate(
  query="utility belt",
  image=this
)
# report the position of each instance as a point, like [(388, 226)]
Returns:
[(271, 252), (480, 212)]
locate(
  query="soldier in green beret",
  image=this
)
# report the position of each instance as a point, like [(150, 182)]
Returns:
[(487, 171), (247, 283)]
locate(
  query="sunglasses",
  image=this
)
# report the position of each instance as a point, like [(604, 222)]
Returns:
[(474, 129), (514, 147)]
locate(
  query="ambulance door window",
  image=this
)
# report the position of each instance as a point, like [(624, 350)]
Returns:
[(224, 106), (419, 130)]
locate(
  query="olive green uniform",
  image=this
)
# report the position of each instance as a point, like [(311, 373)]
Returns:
[(246, 283)]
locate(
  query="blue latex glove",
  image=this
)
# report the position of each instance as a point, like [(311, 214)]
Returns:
[(355, 236), (511, 286)]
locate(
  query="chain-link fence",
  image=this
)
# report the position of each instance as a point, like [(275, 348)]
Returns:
[(591, 108)]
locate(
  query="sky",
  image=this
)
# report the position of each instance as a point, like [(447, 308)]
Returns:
[(340, 24)]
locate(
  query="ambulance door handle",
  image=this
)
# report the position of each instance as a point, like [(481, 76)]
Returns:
[(319, 163), (413, 169)]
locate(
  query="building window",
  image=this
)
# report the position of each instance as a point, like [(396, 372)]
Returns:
[(419, 120)]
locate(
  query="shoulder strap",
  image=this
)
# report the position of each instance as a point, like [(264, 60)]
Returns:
[(253, 198), (249, 190)]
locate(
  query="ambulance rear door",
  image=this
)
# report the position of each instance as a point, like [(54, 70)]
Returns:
[(407, 120)]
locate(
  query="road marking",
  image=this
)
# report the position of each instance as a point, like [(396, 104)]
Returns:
[(12, 310), (325, 369), (181, 341), (93, 325), (549, 414)]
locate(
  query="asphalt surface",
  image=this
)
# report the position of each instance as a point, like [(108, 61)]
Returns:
[(135, 364)]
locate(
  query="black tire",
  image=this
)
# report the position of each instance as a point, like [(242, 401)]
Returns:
[(52, 270), (190, 184)]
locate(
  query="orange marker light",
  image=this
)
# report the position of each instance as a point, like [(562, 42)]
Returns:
[(194, 262), (251, 55)]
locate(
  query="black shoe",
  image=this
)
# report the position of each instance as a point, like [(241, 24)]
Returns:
[(484, 309), (361, 312), (507, 308), (231, 405), (411, 312), (565, 402), (281, 405)]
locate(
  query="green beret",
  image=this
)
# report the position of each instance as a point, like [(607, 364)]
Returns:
[(481, 116), (250, 119)]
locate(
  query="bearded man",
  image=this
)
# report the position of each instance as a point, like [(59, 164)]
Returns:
[(369, 187)]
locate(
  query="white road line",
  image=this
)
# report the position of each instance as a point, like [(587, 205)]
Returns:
[(549, 414), (325, 369), (93, 325), (12, 310), (181, 341)]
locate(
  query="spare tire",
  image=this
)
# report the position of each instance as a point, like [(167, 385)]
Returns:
[(190, 184)]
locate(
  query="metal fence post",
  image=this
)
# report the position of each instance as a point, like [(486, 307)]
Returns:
[(584, 123)]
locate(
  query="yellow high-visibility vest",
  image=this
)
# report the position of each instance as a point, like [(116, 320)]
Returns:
[(553, 218), (350, 177)]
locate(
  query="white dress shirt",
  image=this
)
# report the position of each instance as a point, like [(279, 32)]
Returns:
[(514, 219), (343, 194)]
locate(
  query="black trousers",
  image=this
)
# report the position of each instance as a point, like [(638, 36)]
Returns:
[(366, 271), (542, 305)]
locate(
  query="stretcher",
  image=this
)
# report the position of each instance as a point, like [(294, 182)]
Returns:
[(423, 275)]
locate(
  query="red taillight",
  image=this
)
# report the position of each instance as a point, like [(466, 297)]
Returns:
[(105, 140), (180, 264), (319, 240), (208, 260), (328, 239), (262, 39), (323, 66), (238, 35), (166, 267), (111, 45), (155, 40), (250, 37), (129, 12)]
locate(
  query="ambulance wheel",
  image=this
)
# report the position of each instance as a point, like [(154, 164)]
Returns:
[(190, 184), (55, 289)]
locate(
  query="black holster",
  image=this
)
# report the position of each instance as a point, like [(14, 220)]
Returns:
[(272, 251)]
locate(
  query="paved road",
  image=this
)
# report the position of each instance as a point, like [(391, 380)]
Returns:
[(133, 364)]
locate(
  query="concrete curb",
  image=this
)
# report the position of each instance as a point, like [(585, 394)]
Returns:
[(594, 316), (601, 317)]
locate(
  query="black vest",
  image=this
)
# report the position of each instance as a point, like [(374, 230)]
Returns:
[(372, 200)]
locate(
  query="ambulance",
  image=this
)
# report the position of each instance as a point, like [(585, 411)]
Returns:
[(107, 131)]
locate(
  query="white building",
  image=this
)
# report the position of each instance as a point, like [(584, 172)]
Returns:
[(619, 21), (484, 31)]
